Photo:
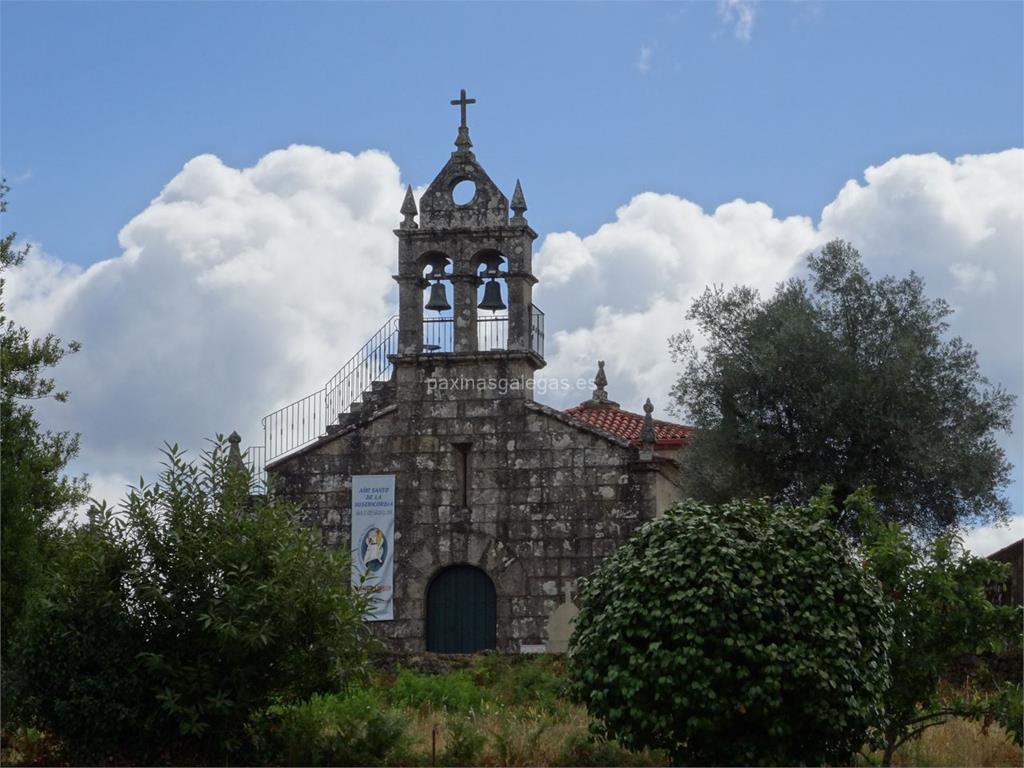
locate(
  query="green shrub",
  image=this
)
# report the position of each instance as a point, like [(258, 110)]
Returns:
[(1009, 711), (582, 749), (161, 628), (353, 728), (517, 735), (464, 743), (453, 691), (747, 633), (536, 681)]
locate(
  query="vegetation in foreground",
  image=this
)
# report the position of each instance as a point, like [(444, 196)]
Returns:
[(161, 628), (489, 710)]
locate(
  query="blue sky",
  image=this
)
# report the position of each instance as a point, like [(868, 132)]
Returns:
[(104, 102), (633, 127)]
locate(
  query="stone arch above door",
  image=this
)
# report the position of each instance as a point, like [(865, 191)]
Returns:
[(418, 565)]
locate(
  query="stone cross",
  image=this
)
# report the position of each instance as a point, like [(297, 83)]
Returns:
[(461, 102)]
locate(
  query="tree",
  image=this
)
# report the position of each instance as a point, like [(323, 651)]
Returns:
[(747, 633), (33, 490), (939, 597), (162, 627), (843, 380)]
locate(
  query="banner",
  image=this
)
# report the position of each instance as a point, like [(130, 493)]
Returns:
[(373, 542)]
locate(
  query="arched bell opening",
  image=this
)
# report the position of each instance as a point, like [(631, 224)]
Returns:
[(492, 300), (438, 298)]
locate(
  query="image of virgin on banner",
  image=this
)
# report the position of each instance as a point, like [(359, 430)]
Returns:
[(373, 543)]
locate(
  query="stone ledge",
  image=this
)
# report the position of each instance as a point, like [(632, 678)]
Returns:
[(480, 356)]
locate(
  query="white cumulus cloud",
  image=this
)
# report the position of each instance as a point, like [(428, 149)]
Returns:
[(239, 290), (236, 291), (618, 293)]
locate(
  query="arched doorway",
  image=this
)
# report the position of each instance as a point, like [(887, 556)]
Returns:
[(461, 611)]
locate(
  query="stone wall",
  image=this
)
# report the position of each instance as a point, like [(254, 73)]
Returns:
[(548, 498)]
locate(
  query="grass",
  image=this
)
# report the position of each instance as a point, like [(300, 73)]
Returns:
[(490, 710), (959, 743), (518, 708), (519, 736)]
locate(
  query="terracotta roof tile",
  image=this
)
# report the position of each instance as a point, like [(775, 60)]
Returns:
[(627, 425)]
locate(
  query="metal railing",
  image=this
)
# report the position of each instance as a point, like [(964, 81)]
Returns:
[(255, 459), (368, 365), (300, 423), (492, 332), (536, 330), (438, 334)]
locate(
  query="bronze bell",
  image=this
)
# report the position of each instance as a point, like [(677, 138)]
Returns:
[(492, 296), (438, 297)]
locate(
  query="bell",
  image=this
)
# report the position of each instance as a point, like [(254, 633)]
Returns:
[(438, 297), (492, 296)]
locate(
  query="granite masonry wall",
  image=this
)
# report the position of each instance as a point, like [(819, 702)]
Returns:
[(546, 500)]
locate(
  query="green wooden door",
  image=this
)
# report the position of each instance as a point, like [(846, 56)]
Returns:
[(461, 612)]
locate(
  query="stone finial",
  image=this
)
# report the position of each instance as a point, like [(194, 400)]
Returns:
[(600, 382), (518, 203), (234, 452), (599, 399), (647, 435), (462, 141), (409, 210)]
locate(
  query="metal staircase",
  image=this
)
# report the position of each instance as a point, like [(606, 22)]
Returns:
[(298, 424), (362, 383)]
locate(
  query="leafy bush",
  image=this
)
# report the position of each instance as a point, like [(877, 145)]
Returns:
[(454, 692), (535, 681), (1009, 711), (464, 743), (163, 626), (517, 736), (746, 633), (582, 749), (334, 729)]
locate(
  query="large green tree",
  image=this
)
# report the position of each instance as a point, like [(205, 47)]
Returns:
[(845, 380), (34, 492)]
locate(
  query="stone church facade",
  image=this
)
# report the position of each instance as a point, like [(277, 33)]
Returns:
[(501, 503)]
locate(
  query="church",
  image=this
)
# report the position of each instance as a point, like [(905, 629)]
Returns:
[(471, 510)]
